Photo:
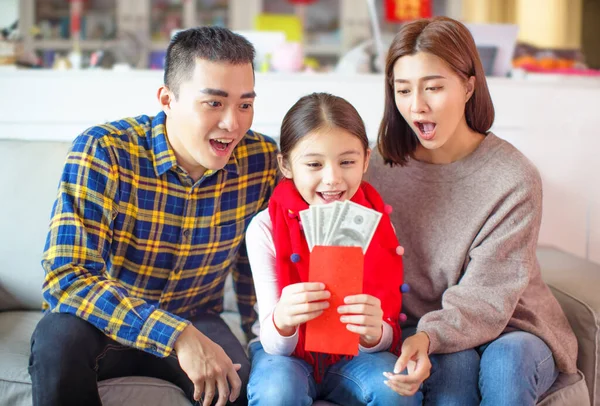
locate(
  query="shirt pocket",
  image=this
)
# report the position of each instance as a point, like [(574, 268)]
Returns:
[(226, 217)]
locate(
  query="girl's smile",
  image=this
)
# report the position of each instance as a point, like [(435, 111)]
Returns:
[(326, 165)]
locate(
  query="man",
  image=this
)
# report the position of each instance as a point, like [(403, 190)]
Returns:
[(149, 221)]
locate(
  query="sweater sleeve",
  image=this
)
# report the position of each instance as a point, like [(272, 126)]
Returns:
[(497, 271), (261, 254)]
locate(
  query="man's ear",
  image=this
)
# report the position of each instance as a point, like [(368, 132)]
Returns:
[(284, 166), (470, 88), (367, 159), (165, 97)]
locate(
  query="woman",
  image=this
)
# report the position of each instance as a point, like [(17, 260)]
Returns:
[(468, 211)]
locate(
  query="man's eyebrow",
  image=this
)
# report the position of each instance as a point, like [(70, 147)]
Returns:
[(424, 78), (250, 95), (223, 93), (214, 92)]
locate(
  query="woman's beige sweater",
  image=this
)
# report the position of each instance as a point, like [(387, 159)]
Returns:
[(470, 230)]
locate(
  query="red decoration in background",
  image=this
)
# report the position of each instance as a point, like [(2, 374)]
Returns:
[(406, 10), (301, 1), (76, 11)]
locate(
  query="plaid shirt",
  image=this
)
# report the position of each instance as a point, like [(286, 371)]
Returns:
[(136, 248)]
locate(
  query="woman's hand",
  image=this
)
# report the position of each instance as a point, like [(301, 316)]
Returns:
[(362, 314), (414, 356), (298, 304)]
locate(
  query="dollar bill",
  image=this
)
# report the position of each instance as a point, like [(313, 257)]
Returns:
[(325, 213), (305, 217), (337, 207), (313, 223), (355, 226)]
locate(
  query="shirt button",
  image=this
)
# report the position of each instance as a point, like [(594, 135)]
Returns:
[(186, 233), (177, 271)]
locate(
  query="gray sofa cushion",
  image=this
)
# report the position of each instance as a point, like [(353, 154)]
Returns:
[(567, 390), (25, 216), (564, 274), (15, 332), (139, 390)]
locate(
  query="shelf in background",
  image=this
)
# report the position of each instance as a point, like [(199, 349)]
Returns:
[(67, 44)]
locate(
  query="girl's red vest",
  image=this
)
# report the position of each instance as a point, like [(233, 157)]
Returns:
[(383, 266)]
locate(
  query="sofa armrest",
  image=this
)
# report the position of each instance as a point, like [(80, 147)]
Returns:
[(575, 283)]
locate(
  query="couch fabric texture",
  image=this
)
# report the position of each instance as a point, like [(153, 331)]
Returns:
[(30, 173)]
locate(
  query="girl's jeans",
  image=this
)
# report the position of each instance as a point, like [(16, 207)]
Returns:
[(289, 381)]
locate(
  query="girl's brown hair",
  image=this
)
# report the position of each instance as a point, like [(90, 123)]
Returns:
[(451, 41), (318, 111)]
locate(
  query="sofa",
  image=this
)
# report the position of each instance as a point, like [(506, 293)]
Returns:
[(29, 177)]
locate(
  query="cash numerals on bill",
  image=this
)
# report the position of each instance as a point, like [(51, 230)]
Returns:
[(345, 224)]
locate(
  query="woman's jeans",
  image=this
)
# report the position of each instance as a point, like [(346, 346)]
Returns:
[(515, 369), (289, 381)]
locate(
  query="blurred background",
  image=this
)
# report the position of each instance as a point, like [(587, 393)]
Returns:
[(296, 35), (68, 65)]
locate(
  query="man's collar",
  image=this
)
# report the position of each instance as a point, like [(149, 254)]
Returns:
[(164, 156)]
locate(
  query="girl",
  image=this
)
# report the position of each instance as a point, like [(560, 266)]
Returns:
[(486, 324), (324, 154)]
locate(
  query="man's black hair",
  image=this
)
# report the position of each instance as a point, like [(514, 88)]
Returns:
[(210, 43)]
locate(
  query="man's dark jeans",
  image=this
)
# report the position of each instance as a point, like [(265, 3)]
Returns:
[(69, 356)]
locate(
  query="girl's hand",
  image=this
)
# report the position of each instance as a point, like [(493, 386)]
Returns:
[(363, 315), (414, 356), (298, 304)]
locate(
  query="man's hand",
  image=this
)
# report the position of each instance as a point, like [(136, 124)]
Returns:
[(208, 367), (298, 304), (414, 356), (363, 315)]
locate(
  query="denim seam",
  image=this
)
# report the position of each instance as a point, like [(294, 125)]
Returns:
[(106, 349), (543, 361), (537, 372)]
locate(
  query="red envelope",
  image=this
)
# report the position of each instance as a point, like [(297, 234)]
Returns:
[(341, 270)]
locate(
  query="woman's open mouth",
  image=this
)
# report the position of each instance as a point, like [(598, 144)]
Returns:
[(426, 129)]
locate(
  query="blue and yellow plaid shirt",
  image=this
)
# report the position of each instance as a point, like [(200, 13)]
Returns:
[(136, 248)]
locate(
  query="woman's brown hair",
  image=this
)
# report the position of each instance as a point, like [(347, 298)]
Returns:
[(318, 111), (451, 41)]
